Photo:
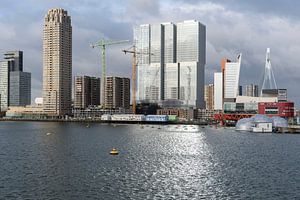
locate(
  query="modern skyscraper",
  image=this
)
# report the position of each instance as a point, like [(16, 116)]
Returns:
[(117, 92), (86, 91), (14, 60), (57, 63), (209, 96), (231, 79), (4, 86), (252, 90), (19, 88), (15, 85), (179, 50)]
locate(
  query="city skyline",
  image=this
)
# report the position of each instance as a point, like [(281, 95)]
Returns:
[(231, 28)]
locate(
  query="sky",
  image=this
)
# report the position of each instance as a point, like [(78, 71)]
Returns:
[(232, 26)]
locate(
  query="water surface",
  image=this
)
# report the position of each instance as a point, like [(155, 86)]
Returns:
[(73, 162)]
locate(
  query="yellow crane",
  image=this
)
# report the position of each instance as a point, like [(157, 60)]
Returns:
[(102, 43), (134, 64)]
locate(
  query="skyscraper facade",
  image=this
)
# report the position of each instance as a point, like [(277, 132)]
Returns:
[(15, 85), (86, 91), (14, 60), (231, 78), (57, 63), (176, 66), (4, 86), (19, 88), (117, 92)]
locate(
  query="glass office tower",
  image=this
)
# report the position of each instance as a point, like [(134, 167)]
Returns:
[(176, 55)]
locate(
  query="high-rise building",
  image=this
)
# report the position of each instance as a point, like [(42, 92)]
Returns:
[(175, 49), (19, 88), (252, 90), (117, 92), (218, 91), (57, 63), (86, 91), (14, 60), (4, 86), (209, 96), (15, 85), (231, 79)]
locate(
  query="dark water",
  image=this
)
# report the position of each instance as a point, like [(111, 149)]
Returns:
[(74, 163)]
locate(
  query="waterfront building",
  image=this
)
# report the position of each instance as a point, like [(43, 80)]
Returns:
[(209, 96), (57, 63), (15, 85), (175, 49), (252, 90), (19, 88), (117, 93), (231, 79), (4, 86), (218, 91), (86, 91)]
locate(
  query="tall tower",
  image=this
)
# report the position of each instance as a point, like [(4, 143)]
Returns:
[(269, 79), (57, 63)]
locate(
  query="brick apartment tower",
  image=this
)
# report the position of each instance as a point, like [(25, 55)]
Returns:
[(57, 63)]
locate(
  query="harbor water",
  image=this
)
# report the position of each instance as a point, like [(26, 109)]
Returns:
[(51, 160)]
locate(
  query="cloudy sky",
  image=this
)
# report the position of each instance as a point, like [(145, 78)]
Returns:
[(232, 26)]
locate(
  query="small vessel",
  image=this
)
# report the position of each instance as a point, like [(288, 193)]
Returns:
[(88, 125), (114, 151), (48, 133)]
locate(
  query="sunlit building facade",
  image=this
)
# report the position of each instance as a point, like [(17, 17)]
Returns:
[(231, 78), (57, 63), (175, 70)]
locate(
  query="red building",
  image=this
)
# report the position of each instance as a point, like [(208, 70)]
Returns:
[(282, 109)]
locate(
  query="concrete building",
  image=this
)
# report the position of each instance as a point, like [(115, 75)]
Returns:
[(252, 90), (57, 63), (218, 91), (4, 86), (19, 88), (175, 49), (86, 91), (209, 96), (117, 93)]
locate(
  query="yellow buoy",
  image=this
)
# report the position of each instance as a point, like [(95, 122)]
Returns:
[(114, 151)]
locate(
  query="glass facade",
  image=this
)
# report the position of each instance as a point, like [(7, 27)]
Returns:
[(19, 88), (188, 83), (171, 81), (191, 41), (171, 62), (141, 39), (169, 43), (156, 43), (149, 83)]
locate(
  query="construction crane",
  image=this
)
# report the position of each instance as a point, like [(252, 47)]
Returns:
[(134, 64), (102, 44)]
